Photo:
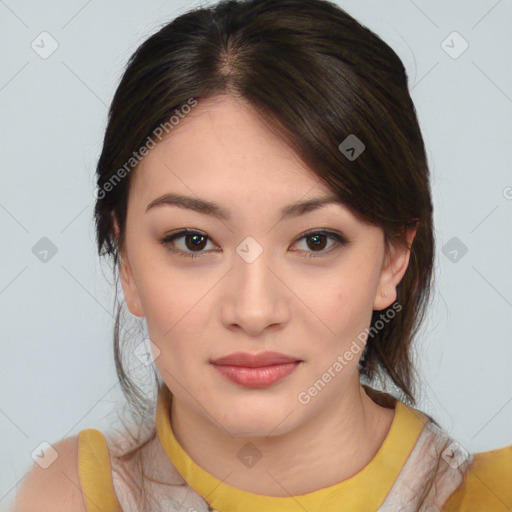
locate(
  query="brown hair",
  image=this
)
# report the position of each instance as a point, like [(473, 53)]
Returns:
[(315, 76)]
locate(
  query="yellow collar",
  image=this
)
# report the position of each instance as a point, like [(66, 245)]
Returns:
[(366, 490)]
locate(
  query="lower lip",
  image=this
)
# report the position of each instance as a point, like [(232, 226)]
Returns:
[(260, 377)]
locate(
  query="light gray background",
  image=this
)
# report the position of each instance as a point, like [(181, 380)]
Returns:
[(57, 372)]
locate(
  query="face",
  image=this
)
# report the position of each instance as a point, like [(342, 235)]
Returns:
[(303, 284)]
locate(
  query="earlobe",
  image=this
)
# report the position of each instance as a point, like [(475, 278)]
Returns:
[(393, 270)]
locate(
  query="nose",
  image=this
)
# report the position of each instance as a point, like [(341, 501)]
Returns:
[(256, 298)]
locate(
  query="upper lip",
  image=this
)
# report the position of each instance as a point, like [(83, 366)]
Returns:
[(254, 360)]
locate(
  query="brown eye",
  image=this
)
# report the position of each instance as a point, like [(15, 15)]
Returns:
[(195, 242), (317, 240)]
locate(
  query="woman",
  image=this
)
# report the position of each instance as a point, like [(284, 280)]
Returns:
[(264, 193)]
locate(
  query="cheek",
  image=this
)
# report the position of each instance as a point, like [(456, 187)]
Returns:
[(166, 294), (160, 309), (176, 312), (345, 303)]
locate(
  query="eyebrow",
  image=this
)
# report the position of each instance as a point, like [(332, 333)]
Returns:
[(214, 210)]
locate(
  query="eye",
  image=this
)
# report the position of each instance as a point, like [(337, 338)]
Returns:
[(195, 242), (317, 241)]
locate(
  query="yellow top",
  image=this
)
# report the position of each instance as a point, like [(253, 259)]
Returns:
[(486, 487), (488, 484), (95, 472)]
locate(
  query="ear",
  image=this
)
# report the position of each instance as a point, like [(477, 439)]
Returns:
[(130, 292), (393, 269)]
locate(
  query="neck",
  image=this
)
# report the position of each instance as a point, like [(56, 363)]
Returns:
[(332, 446)]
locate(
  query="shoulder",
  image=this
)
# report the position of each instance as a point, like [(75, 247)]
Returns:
[(78, 480), (56, 487), (487, 483)]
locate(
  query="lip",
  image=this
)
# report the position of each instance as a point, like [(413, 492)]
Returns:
[(247, 360), (256, 370), (258, 377)]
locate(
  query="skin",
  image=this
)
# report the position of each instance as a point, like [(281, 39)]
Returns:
[(217, 303)]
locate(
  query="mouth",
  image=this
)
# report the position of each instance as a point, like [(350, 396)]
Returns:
[(261, 377), (256, 371)]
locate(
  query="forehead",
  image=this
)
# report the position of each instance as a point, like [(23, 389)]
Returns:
[(223, 140), (222, 151)]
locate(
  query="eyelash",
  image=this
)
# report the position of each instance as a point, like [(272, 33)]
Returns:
[(340, 241)]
